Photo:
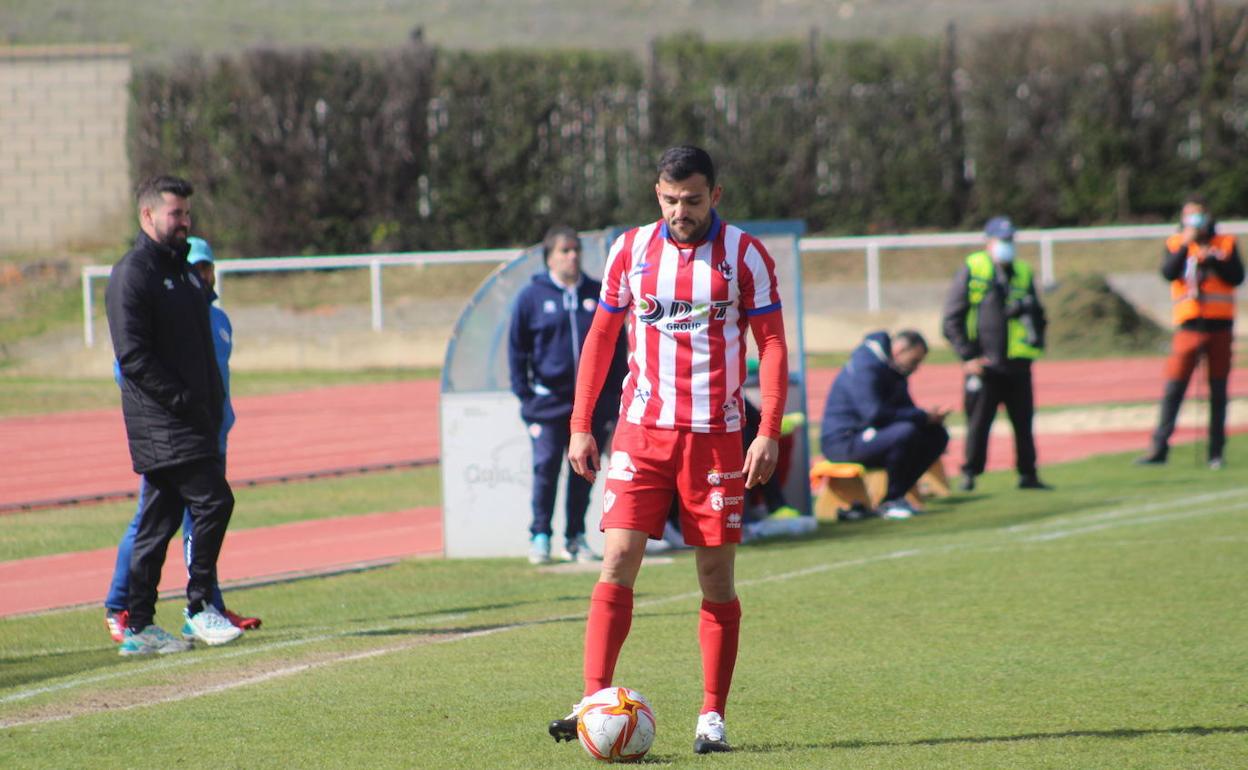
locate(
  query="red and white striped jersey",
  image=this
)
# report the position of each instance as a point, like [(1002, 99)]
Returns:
[(690, 305)]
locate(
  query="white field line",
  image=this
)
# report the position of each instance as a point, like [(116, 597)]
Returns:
[(1115, 522), (1129, 509)]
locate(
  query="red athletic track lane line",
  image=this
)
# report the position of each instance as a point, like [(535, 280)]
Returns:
[(83, 577)]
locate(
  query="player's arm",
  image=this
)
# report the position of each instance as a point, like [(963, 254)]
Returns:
[(596, 356), (520, 349), (773, 383)]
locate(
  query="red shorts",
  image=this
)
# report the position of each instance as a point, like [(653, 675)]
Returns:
[(703, 470)]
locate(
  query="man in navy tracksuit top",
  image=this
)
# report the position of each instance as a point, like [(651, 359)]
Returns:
[(871, 419), (548, 327)]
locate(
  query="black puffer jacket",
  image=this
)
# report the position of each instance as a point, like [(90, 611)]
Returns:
[(171, 392)]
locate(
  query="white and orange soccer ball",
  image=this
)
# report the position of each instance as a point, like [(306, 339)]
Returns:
[(616, 724)]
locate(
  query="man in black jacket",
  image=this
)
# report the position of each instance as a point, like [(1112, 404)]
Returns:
[(172, 399), (995, 322)]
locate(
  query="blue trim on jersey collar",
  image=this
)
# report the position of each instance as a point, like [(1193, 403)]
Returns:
[(763, 309), (711, 234)]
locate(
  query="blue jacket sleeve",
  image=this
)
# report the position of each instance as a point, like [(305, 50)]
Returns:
[(520, 350), (880, 405)]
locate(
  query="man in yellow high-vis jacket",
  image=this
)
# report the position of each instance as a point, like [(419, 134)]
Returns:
[(994, 320)]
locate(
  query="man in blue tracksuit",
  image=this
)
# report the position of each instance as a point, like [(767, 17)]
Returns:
[(870, 418), (551, 317), (201, 259)]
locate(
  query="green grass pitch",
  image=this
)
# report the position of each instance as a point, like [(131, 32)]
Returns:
[(1098, 626)]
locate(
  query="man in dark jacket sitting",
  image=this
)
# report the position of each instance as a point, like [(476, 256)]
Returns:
[(871, 419)]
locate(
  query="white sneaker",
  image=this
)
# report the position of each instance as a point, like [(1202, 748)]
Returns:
[(152, 639), (209, 626), (897, 509), (711, 735), (577, 549), (539, 549)]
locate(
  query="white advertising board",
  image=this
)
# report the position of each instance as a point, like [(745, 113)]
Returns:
[(487, 473)]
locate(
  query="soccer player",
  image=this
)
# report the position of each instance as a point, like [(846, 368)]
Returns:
[(690, 284)]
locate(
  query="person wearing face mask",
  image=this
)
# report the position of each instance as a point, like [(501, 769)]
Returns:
[(869, 417), (552, 315), (1203, 268), (995, 322)]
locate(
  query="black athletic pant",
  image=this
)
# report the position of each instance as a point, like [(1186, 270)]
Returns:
[(1010, 386), (905, 449), (198, 485)]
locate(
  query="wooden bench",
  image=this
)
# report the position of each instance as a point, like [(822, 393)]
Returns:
[(840, 485)]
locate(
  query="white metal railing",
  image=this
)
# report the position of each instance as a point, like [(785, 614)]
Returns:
[(374, 263), (871, 245)]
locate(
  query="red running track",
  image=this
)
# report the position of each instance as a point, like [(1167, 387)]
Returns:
[(249, 556), (1057, 383), (83, 455)]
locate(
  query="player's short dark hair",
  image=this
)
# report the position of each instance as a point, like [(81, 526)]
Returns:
[(556, 234), (150, 189), (679, 163), (911, 338)]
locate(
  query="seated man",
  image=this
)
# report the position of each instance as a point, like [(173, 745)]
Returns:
[(870, 418)]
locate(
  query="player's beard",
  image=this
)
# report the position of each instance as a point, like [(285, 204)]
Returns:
[(694, 230), (174, 239)]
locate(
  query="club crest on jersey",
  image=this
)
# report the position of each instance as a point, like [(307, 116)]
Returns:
[(715, 476), (549, 306), (725, 269), (589, 304)]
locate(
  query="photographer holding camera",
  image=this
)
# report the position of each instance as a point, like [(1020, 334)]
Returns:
[(994, 320), (1203, 268)]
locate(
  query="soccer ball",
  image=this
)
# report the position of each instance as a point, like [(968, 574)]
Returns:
[(616, 724)]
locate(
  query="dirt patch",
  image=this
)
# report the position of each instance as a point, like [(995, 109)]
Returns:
[(1088, 318)]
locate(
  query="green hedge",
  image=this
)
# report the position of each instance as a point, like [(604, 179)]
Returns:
[(340, 152)]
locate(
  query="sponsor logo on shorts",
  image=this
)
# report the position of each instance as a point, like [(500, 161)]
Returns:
[(621, 467), (715, 477), (719, 501), (734, 521), (608, 500)]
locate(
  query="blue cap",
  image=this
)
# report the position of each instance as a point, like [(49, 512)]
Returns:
[(200, 251), (999, 227)]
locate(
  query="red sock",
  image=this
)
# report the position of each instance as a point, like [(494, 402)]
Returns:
[(719, 628), (610, 617)]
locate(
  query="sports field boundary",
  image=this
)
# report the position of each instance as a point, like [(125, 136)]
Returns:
[(1124, 514)]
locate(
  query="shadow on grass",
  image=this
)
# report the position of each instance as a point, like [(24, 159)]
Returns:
[(1121, 733)]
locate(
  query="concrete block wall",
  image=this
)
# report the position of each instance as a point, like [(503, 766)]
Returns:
[(64, 176)]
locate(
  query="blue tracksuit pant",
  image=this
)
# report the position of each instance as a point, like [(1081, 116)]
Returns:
[(550, 442), (904, 449)]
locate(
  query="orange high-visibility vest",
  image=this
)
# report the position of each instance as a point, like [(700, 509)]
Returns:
[(1210, 298)]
